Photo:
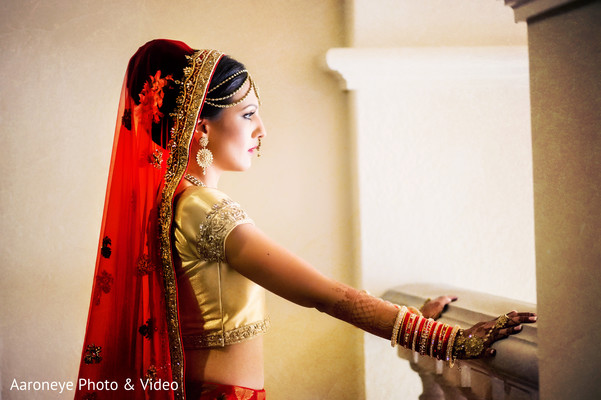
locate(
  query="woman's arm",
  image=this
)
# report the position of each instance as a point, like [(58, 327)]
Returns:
[(259, 258), (256, 256)]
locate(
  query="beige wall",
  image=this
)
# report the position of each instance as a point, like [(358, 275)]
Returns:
[(61, 69)]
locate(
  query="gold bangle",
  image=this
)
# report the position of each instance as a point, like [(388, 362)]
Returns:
[(415, 311), (416, 327), (409, 328), (423, 344), (450, 356), (437, 328), (441, 336), (397, 325)]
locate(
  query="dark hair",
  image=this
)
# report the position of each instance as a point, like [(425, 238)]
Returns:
[(170, 57), (226, 68)]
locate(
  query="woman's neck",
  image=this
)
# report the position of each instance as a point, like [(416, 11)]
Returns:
[(209, 179)]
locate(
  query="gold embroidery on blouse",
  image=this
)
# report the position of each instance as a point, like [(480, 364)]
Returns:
[(228, 337), (222, 218), (194, 84)]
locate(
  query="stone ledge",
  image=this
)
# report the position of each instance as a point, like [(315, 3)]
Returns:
[(516, 362)]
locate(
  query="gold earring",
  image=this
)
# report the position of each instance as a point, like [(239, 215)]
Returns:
[(259, 148), (204, 157)]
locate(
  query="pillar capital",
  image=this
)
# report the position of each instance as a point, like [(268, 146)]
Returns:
[(526, 9)]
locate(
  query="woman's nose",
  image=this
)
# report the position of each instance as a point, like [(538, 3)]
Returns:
[(261, 132)]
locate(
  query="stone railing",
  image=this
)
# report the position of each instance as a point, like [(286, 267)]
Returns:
[(511, 375)]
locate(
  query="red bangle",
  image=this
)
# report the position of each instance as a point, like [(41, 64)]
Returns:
[(418, 332), (450, 356), (425, 337), (409, 329), (440, 341), (403, 328), (435, 339), (445, 341)]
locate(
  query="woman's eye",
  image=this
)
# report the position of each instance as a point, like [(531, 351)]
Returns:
[(249, 115)]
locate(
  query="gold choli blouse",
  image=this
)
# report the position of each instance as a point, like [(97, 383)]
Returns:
[(217, 305)]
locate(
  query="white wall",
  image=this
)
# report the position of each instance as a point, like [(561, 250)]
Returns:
[(444, 171), (393, 23)]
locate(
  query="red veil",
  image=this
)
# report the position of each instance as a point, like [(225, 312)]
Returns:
[(132, 347)]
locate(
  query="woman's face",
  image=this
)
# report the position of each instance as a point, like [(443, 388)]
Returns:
[(234, 134)]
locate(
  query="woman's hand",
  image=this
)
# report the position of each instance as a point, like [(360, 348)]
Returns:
[(476, 341), (434, 308)]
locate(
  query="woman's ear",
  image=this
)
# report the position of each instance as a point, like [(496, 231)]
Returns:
[(201, 126), (202, 129)]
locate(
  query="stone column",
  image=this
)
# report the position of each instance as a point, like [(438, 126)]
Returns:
[(565, 81)]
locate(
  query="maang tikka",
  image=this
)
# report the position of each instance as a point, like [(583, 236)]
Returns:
[(204, 157)]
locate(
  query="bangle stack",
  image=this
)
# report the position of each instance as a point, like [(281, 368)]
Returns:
[(397, 325), (424, 335)]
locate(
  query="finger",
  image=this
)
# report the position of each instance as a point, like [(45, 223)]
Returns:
[(524, 318), (503, 333), (515, 313), (526, 314), (515, 318), (527, 317), (489, 353), (444, 300)]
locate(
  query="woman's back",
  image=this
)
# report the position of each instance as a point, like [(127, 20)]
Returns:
[(222, 313)]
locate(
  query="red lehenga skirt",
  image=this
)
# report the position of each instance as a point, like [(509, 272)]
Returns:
[(216, 391)]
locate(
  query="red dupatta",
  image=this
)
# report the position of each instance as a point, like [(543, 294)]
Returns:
[(132, 347)]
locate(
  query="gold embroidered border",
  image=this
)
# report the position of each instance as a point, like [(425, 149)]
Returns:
[(197, 76), (228, 337), (223, 217)]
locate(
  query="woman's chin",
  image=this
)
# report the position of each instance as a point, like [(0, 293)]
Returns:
[(243, 167)]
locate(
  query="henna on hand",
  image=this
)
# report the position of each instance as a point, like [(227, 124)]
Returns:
[(476, 341)]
